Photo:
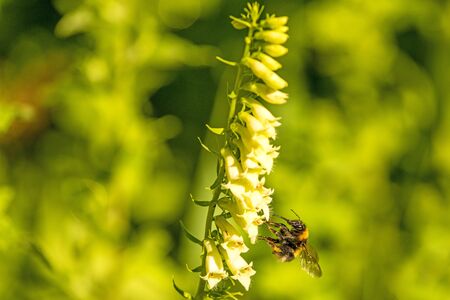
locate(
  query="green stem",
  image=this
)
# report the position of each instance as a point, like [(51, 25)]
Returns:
[(238, 81), (200, 294), (209, 219)]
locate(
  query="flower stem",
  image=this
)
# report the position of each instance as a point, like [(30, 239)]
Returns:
[(200, 294), (238, 81), (209, 218)]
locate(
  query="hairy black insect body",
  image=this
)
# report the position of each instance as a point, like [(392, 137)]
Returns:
[(291, 241)]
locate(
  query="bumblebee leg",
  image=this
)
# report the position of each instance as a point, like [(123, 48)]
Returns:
[(273, 227), (275, 245), (281, 217), (281, 226), (283, 233), (269, 240)]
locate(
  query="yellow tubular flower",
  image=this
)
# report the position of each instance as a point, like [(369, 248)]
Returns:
[(261, 112), (258, 201), (268, 94), (238, 188), (241, 270), (244, 196), (264, 116), (264, 159), (215, 271), (248, 220), (233, 240), (256, 127), (253, 125), (233, 168), (256, 153), (249, 164), (254, 144)]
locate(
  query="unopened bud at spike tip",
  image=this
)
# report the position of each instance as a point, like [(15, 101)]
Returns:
[(274, 22), (272, 36), (275, 50)]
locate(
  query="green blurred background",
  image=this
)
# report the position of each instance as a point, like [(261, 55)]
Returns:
[(101, 102)]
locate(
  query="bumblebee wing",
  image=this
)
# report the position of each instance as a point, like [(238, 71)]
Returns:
[(312, 252), (309, 261)]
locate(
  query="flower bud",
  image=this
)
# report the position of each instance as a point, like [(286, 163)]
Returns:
[(272, 36), (274, 22), (274, 81), (239, 24), (282, 29), (213, 263), (268, 76), (275, 50), (258, 68), (268, 94), (268, 61)]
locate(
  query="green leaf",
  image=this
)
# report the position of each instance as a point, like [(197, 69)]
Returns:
[(232, 95), (227, 62), (184, 294), (39, 254), (194, 270), (234, 295), (218, 180), (200, 203), (190, 236), (216, 183), (239, 24), (215, 130), (204, 146)]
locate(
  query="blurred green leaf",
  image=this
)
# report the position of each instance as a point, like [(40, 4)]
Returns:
[(190, 236)]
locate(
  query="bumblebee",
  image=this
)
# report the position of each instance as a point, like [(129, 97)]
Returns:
[(291, 242)]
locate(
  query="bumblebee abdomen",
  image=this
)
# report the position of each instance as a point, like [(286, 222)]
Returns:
[(297, 252)]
